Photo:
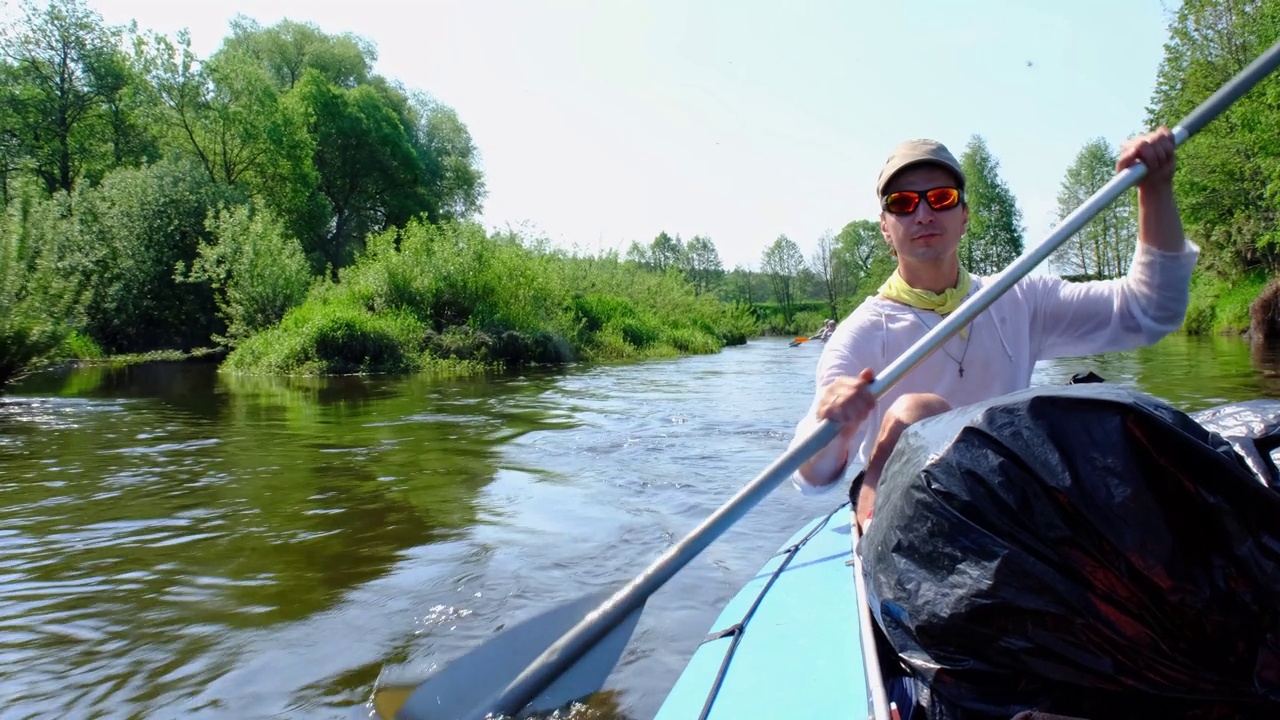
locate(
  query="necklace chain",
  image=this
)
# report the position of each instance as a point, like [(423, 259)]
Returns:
[(959, 362)]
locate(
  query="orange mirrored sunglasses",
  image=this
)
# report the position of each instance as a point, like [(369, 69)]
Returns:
[(904, 202)]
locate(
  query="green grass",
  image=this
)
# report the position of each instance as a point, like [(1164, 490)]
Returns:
[(1221, 305), (78, 346), (452, 298)]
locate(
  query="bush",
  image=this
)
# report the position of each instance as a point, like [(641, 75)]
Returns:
[(332, 339), (1220, 305), (691, 341), (256, 270), (463, 297), (134, 232), (79, 346), (40, 300), (509, 347)]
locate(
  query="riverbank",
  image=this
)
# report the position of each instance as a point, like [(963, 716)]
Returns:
[(454, 299), (451, 296), (79, 351), (1221, 306), (442, 297)]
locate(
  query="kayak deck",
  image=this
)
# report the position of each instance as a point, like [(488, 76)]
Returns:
[(787, 645)]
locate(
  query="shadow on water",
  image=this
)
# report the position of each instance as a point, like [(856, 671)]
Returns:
[(176, 542)]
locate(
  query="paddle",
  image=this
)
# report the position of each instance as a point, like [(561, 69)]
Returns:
[(500, 690), (797, 341), (453, 690)]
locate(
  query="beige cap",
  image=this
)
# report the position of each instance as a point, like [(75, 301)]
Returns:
[(912, 152)]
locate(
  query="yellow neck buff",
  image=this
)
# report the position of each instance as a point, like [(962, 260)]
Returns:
[(897, 289)]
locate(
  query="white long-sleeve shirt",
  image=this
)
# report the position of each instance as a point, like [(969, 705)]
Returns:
[(1039, 318)]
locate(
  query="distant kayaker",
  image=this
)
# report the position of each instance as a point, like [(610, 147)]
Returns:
[(923, 216), (828, 327)]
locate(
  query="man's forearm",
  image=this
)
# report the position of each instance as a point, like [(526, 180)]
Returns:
[(827, 465), (1159, 224)]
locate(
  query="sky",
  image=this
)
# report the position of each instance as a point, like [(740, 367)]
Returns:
[(600, 123)]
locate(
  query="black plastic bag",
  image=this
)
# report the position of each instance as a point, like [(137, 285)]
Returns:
[(1084, 550)]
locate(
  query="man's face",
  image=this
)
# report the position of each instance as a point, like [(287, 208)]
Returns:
[(925, 235)]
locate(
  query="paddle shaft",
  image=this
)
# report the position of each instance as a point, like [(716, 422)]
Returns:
[(596, 624)]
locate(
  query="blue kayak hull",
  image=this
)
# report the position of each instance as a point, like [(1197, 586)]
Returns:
[(797, 653)]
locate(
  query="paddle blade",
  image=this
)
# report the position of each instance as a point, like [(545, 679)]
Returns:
[(456, 691)]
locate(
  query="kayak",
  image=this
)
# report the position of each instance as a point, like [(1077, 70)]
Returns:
[(787, 645), (801, 639)]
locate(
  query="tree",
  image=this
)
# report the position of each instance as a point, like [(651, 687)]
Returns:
[(256, 270), (1104, 246), (366, 162), (225, 111), (638, 254), (782, 263), (449, 160), (227, 115), (865, 256), (666, 252), (287, 49), (1238, 155), (41, 303), (831, 272), (129, 113), (741, 285), (66, 72), (703, 263), (11, 150), (449, 184), (297, 119), (134, 230), (994, 238)]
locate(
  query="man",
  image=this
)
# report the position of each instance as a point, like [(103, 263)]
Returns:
[(828, 327), (923, 216)]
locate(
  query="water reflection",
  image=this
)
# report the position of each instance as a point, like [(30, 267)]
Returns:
[(174, 541), (1191, 373), (166, 507)]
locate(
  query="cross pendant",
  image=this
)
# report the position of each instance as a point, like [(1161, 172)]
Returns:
[(961, 371)]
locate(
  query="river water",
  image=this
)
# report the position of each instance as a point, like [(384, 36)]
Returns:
[(175, 542)]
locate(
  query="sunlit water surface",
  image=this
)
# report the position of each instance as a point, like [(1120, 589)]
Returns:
[(179, 543)]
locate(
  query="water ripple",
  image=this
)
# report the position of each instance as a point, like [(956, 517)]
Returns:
[(181, 543)]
